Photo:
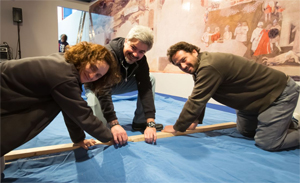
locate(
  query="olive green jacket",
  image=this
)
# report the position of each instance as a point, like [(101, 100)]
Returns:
[(233, 81)]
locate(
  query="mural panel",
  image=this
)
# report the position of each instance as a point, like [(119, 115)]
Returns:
[(266, 32)]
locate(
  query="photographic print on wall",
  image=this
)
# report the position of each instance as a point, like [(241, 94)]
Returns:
[(263, 31)]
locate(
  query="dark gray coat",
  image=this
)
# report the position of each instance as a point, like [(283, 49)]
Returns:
[(33, 91)]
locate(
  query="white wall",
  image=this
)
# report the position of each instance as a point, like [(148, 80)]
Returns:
[(39, 30), (180, 85)]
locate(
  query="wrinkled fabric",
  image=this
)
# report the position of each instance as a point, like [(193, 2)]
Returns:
[(215, 156)]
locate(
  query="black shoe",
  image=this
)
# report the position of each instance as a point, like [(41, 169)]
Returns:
[(142, 126)]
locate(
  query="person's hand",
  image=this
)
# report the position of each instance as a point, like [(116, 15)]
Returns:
[(193, 126), (169, 129), (120, 135), (86, 143), (150, 135)]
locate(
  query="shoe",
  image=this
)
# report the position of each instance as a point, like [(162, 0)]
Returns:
[(142, 126)]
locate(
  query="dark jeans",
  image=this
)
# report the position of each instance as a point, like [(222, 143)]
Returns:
[(123, 87), (271, 127)]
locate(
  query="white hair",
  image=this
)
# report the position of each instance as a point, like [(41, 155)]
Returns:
[(142, 33)]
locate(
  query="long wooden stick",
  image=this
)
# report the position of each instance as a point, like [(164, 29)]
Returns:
[(25, 153), (38, 151), (137, 138)]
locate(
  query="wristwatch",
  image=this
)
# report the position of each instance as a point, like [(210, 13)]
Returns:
[(151, 124), (112, 124)]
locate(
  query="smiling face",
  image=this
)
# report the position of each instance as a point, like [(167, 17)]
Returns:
[(186, 61), (134, 50), (93, 72)]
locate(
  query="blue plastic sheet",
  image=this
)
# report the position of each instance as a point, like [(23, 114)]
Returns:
[(216, 156)]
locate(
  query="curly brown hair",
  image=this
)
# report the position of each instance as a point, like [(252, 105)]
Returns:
[(187, 47), (84, 53)]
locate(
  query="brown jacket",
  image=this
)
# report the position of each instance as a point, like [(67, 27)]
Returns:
[(233, 81), (33, 91)]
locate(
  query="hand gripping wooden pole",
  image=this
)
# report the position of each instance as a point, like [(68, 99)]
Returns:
[(25, 153)]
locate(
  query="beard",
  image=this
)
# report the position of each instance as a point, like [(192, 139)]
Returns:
[(130, 59), (127, 60)]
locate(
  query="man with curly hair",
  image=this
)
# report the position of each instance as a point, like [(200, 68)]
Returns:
[(264, 98)]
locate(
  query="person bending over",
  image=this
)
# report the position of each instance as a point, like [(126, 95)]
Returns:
[(130, 57), (264, 98), (34, 90)]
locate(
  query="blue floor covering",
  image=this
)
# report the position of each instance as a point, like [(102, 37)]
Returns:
[(215, 156)]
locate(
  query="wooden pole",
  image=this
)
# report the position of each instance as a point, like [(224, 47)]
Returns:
[(25, 153), (138, 138), (38, 151)]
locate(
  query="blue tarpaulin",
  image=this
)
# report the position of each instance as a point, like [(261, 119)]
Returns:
[(215, 156)]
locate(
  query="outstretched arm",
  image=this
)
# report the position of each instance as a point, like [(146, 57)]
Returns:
[(68, 96), (170, 128)]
